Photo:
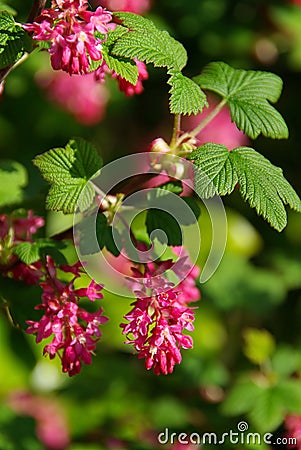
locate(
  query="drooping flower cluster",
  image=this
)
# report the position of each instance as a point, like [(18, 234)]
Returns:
[(159, 316), (293, 427), (76, 331), (70, 29), (76, 36)]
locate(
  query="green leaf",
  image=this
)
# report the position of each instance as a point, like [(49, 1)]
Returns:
[(259, 345), (31, 252), (91, 243), (216, 174), (263, 185), (289, 392), (186, 97), (27, 252), (76, 193), (285, 361), (13, 177), (147, 43), (268, 411), (13, 40), (241, 398), (112, 241), (248, 94), (260, 182), (69, 169), (157, 219), (124, 67), (175, 187)]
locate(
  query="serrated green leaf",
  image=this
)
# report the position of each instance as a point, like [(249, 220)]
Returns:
[(13, 177), (31, 252), (260, 182), (216, 174), (124, 67), (263, 185), (69, 170), (186, 97), (7, 22), (248, 94), (76, 193), (147, 43), (170, 231), (13, 40), (27, 252), (79, 159)]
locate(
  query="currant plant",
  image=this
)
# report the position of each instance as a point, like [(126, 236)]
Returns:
[(120, 45)]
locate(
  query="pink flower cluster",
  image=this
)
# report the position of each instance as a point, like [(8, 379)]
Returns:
[(70, 29), (160, 315), (76, 331), (293, 427)]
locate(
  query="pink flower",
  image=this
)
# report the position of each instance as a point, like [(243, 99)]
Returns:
[(76, 331), (51, 424), (70, 28), (158, 318), (29, 274), (25, 227), (135, 6), (293, 427), (92, 291), (188, 274), (220, 130), (80, 95)]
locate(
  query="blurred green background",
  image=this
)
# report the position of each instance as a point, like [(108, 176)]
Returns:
[(246, 361)]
